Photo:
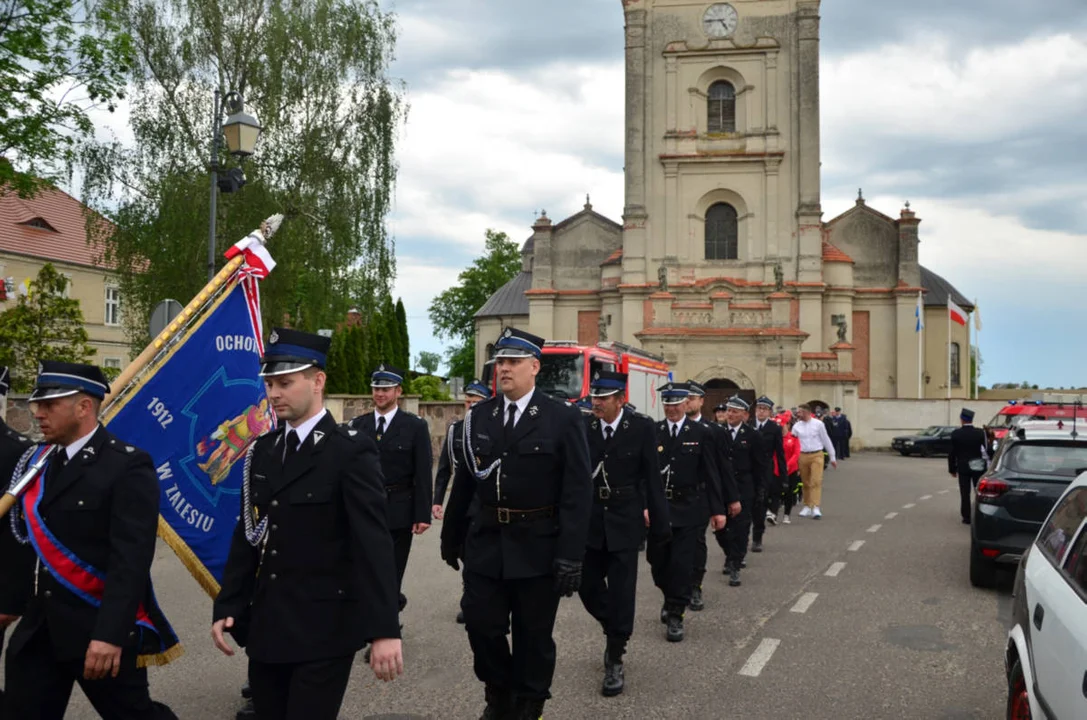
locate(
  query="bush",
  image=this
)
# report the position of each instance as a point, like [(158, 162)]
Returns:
[(429, 389)]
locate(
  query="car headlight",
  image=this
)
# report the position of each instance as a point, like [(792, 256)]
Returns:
[(909, 442)]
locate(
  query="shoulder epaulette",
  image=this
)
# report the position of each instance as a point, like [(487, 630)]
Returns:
[(348, 432)]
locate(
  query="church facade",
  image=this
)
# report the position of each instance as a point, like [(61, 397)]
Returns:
[(722, 262)]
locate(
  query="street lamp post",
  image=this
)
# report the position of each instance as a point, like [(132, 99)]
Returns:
[(241, 131)]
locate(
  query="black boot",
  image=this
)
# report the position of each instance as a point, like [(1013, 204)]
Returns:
[(247, 692), (756, 546), (734, 576), (525, 709), (696, 602), (499, 704), (675, 625), (248, 712), (460, 617), (613, 668), (664, 614)]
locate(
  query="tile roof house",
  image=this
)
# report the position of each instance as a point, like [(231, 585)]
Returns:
[(51, 227)]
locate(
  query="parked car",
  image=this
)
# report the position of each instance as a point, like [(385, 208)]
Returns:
[(1045, 659), (933, 440), (1031, 470)]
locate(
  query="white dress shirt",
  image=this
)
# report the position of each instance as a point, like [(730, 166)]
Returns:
[(521, 404), (388, 417), (675, 427), (813, 437), (306, 428), (734, 429), (613, 425), (79, 444)]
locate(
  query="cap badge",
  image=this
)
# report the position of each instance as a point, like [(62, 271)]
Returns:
[(381, 367), (41, 368), (274, 337), (508, 333)]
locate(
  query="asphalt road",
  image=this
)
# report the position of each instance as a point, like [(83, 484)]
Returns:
[(867, 613)]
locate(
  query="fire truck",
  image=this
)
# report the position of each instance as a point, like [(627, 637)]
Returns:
[(567, 368), (1016, 412)]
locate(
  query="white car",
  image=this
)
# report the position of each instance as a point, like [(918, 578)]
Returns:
[(1046, 656)]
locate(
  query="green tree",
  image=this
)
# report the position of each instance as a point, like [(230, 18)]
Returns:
[(58, 60), (314, 73), (45, 325), (337, 364), (402, 327), (428, 361), (452, 310), (429, 389)]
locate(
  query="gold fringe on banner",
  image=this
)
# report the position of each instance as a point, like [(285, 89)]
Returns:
[(160, 659)]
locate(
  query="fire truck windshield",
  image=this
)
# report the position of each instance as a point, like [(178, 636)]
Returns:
[(561, 376)]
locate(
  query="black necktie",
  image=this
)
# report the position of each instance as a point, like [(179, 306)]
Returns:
[(675, 431), (608, 434), (380, 426), (57, 463), (292, 445), (512, 413)]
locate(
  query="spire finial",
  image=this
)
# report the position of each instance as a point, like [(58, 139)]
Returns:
[(588, 203), (860, 196), (907, 204)]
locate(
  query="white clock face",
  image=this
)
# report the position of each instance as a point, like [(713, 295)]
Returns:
[(720, 20)]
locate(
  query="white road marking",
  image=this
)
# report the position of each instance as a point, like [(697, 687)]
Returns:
[(834, 569), (907, 506), (754, 665), (874, 528), (926, 497), (890, 516), (856, 545), (944, 492), (804, 602)]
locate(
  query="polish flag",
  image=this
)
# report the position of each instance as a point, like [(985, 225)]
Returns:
[(957, 313), (257, 257)]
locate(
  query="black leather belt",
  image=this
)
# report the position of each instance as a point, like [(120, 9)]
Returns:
[(505, 516), (674, 493), (606, 493)]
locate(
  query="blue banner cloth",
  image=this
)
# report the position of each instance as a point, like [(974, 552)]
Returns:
[(197, 415)]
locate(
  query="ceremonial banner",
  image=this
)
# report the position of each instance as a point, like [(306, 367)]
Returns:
[(196, 411)]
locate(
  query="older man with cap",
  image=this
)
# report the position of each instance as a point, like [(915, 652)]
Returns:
[(746, 453), (692, 485), (768, 496), (310, 577), (527, 481), (403, 440), (449, 456), (967, 459), (87, 524), (628, 496), (695, 400)]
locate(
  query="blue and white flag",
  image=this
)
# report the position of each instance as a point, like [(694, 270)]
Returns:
[(919, 313), (196, 412)]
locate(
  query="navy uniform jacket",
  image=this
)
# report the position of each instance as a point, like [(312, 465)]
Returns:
[(967, 443), (773, 446), (696, 482), (15, 562), (545, 464), (406, 463), (746, 453), (724, 463), (446, 462), (324, 583), (633, 476), (104, 507)]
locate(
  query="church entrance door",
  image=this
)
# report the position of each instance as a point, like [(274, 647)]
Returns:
[(719, 390)]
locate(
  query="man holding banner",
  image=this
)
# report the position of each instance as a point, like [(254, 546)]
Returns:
[(89, 513), (310, 577)]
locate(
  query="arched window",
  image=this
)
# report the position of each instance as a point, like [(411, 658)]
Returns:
[(956, 375), (721, 108), (721, 232)]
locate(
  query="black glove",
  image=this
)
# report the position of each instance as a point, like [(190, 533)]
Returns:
[(451, 555), (567, 576)]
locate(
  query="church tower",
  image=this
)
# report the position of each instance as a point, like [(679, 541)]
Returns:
[(722, 205)]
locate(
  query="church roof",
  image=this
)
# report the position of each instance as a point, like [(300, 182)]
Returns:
[(616, 258), (834, 254), (937, 291), (509, 299)]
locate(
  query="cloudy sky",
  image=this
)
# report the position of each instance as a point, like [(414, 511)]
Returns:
[(973, 111)]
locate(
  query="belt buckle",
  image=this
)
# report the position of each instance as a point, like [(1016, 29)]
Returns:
[(503, 516), (604, 493), (668, 493)]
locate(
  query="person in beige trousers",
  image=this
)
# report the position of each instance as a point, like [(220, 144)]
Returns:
[(814, 440)]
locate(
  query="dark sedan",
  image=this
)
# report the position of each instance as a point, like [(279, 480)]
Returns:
[(1030, 472), (933, 440)]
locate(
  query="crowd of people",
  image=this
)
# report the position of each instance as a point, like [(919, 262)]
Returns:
[(545, 502)]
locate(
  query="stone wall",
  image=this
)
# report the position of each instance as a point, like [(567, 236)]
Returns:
[(876, 422)]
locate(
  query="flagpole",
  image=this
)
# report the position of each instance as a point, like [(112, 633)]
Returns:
[(977, 352), (949, 363), (267, 229), (920, 348)]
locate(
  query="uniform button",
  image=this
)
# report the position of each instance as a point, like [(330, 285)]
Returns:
[(48, 593), (79, 503), (505, 454), (275, 503), (309, 495), (275, 527), (272, 576), (274, 553), (339, 592), (132, 634)]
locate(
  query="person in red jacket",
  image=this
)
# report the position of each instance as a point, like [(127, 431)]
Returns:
[(792, 461)]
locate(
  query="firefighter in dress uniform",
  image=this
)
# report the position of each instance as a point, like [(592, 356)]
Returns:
[(518, 518), (95, 620), (692, 485), (403, 440), (746, 454), (12, 447), (628, 497), (449, 457), (773, 448), (311, 576)]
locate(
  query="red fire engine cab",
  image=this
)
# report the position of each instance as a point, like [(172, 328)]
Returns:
[(1016, 412)]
